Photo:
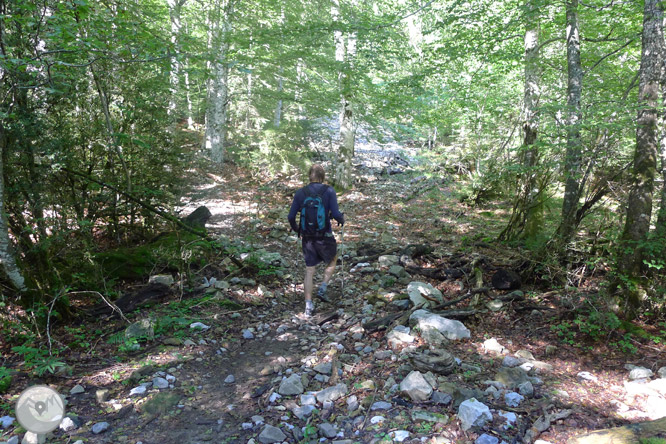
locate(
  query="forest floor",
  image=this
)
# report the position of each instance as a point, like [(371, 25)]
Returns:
[(223, 381)]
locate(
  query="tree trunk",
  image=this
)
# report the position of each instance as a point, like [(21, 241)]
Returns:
[(174, 73), (216, 126), (344, 55), (7, 259), (534, 207), (660, 228), (300, 80), (572, 167), (527, 214), (278, 106), (639, 209)]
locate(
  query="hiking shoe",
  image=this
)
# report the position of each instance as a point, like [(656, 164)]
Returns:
[(321, 294), (309, 311)]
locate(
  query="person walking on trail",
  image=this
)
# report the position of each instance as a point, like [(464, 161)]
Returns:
[(316, 203)]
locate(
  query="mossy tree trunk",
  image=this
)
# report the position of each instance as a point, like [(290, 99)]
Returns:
[(639, 209)]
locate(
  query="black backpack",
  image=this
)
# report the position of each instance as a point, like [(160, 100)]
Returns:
[(313, 213)]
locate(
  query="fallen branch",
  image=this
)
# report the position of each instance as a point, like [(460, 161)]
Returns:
[(543, 423), (468, 295)]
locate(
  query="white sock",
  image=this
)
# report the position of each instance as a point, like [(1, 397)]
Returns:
[(309, 304)]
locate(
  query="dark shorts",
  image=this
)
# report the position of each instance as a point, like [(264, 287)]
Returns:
[(318, 250)]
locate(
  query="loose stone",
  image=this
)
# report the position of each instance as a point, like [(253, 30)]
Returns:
[(100, 427)]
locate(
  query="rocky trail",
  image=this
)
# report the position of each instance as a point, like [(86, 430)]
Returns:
[(429, 338)]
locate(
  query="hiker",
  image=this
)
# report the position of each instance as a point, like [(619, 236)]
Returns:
[(317, 204)]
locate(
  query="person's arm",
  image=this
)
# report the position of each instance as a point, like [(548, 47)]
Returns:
[(295, 206), (333, 206)]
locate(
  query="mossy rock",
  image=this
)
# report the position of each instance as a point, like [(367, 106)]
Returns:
[(160, 404)]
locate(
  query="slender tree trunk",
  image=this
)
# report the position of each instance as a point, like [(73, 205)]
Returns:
[(572, 167), (660, 228), (216, 127), (639, 209), (104, 103), (527, 214), (249, 101), (278, 106), (280, 76), (534, 208), (7, 259), (300, 80), (344, 55), (174, 73)]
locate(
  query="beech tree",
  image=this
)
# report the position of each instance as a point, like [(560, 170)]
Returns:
[(631, 266)]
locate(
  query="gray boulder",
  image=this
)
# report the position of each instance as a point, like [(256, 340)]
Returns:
[(436, 361), (486, 439), (323, 368), (332, 393), (270, 435), (513, 399), (473, 413), (640, 373), (145, 328), (451, 329), (397, 338), (328, 430), (511, 377), (293, 385), (416, 387), (417, 291), (303, 412), (164, 279), (100, 427)]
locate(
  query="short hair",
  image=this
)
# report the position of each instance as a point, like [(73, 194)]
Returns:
[(317, 173)]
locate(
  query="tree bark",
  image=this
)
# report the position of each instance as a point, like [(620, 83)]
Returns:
[(174, 73), (534, 207), (344, 55), (573, 160), (7, 259), (639, 208), (216, 125), (278, 107), (527, 213)]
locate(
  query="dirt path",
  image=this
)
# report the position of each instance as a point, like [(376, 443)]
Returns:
[(223, 385)]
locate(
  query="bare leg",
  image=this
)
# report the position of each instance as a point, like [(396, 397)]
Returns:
[(330, 268), (309, 274)]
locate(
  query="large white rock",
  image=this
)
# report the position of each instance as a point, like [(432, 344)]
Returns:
[(416, 387), (451, 329), (473, 413), (416, 291)]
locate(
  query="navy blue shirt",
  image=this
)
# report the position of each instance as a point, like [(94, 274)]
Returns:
[(329, 199)]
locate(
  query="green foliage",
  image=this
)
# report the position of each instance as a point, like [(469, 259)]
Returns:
[(38, 359), (5, 379)]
